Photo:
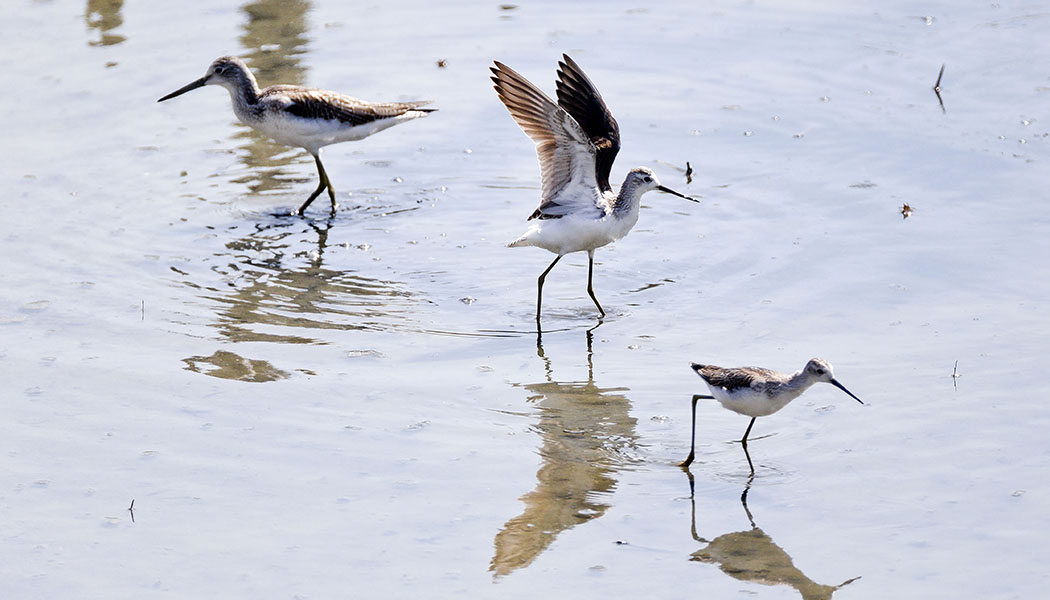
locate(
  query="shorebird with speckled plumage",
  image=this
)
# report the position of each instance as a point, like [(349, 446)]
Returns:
[(576, 139), (757, 392), (302, 117)]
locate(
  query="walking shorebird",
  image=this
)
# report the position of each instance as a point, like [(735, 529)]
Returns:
[(757, 392), (302, 117), (577, 140)]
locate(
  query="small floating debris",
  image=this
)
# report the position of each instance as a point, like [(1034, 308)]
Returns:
[(937, 88), (364, 354), (442, 63), (688, 172), (906, 210), (468, 300)]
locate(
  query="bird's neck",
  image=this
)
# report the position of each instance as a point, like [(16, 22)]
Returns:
[(244, 93), (800, 381), (627, 201)]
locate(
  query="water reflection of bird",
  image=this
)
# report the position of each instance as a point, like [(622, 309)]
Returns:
[(277, 287), (757, 392), (307, 118), (585, 430), (105, 16), (751, 555), (577, 140)]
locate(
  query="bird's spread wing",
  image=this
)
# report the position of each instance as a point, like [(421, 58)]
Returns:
[(566, 154), (732, 379), (578, 96), (322, 104)]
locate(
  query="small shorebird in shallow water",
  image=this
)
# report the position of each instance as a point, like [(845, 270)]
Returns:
[(577, 140), (302, 117), (757, 392)]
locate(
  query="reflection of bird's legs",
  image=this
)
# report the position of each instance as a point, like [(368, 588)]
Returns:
[(321, 186), (540, 353), (539, 289), (692, 442), (590, 351), (590, 279), (322, 239), (692, 504), (743, 496)]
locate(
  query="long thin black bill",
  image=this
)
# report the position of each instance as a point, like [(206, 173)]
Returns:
[(835, 383), (668, 190), (182, 90)]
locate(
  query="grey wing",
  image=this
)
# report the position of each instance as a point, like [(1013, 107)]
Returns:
[(565, 152), (322, 104), (733, 378)]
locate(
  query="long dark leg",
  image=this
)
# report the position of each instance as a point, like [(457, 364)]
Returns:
[(539, 290), (748, 432), (692, 442), (321, 186), (590, 279), (328, 182), (750, 464), (743, 442)]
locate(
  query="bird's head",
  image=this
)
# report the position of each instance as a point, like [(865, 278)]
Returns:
[(644, 180), (819, 369), (228, 71)]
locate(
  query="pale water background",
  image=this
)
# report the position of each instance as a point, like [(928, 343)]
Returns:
[(358, 406)]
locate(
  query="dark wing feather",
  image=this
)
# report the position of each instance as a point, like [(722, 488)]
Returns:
[(322, 104), (578, 96), (734, 378), (565, 153)]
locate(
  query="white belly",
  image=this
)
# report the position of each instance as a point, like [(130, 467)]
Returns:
[(750, 402), (313, 134), (575, 233)]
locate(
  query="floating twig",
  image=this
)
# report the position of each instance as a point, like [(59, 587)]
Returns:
[(131, 509), (688, 172), (937, 89)]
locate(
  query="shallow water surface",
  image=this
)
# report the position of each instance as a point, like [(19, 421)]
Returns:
[(358, 403)]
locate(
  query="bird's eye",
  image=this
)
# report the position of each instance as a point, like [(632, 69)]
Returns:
[(648, 179), (219, 70), (820, 371)]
